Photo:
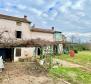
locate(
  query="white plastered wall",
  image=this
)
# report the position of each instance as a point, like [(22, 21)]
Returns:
[(25, 52), (41, 35), (60, 50)]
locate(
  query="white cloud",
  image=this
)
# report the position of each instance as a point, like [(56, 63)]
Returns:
[(21, 7), (84, 37), (36, 11), (7, 9), (53, 15), (79, 5), (44, 15), (85, 34), (87, 22), (44, 22), (9, 4), (80, 13), (64, 7), (39, 2), (77, 34), (50, 5)]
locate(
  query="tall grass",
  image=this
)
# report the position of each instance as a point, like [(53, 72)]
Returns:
[(72, 75), (83, 58)]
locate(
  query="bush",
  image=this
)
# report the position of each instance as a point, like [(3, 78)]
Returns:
[(75, 51)]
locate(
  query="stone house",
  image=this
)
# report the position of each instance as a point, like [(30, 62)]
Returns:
[(15, 29)]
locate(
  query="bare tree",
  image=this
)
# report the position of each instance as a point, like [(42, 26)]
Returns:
[(6, 40), (72, 38)]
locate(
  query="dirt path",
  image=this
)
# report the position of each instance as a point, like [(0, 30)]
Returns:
[(74, 65), (69, 64), (26, 73), (65, 63)]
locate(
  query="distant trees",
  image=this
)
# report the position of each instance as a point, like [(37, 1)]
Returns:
[(72, 38), (76, 44)]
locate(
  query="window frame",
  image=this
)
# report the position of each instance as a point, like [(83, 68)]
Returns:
[(18, 52), (18, 34)]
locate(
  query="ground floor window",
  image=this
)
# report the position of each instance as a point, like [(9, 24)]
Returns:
[(18, 52)]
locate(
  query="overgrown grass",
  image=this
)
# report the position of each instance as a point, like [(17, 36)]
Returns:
[(83, 58), (72, 75)]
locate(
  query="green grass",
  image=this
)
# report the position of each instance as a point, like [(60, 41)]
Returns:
[(82, 58), (72, 75)]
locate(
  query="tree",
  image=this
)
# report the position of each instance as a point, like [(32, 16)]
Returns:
[(6, 41)]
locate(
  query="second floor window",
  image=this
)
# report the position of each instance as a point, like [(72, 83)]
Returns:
[(18, 23), (18, 34)]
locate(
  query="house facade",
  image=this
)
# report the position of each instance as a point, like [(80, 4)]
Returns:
[(14, 29)]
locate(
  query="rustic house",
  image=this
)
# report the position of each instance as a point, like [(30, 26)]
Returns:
[(18, 39)]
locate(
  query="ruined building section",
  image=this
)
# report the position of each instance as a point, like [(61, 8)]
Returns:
[(58, 38), (56, 47)]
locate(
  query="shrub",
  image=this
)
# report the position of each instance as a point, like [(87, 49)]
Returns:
[(75, 51)]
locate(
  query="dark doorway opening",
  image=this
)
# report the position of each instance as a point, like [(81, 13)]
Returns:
[(39, 51), (7, 54), (55, 49)]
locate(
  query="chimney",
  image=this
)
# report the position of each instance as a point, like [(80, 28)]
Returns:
[(53, 28), (25, 17)]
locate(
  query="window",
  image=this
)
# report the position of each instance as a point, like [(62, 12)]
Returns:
[(18, 34), (18, 52), (18, 23)]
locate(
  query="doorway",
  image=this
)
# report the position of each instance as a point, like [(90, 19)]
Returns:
[(39, 51), (7, 54), (55, 49)]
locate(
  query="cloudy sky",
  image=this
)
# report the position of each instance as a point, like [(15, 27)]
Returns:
[(72, 17)]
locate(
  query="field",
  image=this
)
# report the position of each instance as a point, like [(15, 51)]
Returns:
[(74, 75), (83, 58)]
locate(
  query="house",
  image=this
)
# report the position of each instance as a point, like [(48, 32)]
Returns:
[(18, 39), (48, 35)]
